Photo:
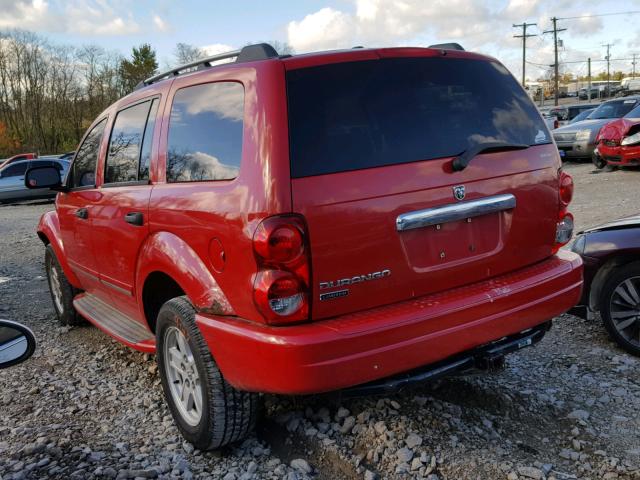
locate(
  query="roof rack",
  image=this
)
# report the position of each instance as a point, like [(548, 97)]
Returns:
[(250, 53), (447, 46)]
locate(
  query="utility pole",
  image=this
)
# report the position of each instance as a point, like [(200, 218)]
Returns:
[(555, 48), (608, 57), (633, 66), (589, 80), (524, 37)]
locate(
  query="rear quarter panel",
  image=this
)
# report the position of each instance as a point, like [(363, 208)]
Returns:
[(221, 216)]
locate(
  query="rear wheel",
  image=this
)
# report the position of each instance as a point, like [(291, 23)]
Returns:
[(209, 412), (62, 292), (620, 307)]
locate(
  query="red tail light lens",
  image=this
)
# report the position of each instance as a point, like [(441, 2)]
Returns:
[(565, 188), (278, 242), (281, 286)]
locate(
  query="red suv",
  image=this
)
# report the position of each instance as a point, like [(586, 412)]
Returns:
[(355, 220)]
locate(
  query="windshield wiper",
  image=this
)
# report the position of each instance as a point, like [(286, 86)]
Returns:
[(461, 161)]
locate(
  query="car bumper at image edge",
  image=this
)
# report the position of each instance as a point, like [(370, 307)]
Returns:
[(357, 348)]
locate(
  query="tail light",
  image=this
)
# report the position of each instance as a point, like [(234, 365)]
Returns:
[(564, 227), (281, 286), (556, 124), (565, 188)]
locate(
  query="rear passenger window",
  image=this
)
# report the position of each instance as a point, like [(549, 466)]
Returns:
[(84, 164), (205, 133), (124, 146)]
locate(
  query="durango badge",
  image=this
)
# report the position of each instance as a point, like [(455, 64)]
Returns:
[(356, 279), (458, 192)]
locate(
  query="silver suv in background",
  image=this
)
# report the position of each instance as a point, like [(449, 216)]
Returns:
[(12, 185), (578, 140)]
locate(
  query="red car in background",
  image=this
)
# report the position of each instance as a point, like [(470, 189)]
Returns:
[(618, 142)]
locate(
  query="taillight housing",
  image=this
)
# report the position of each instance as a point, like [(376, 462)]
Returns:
[(564, 226), (281, 288), (565, 189)]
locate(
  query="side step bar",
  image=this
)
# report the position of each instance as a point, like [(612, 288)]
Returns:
[(114, 322), (484, 357)]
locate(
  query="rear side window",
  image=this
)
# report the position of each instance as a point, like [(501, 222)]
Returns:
[(15, 169), (84, 165), (356, 115), (205, 133), (124, 146)]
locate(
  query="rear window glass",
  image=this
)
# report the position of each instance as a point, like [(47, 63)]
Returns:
[(357, 115)]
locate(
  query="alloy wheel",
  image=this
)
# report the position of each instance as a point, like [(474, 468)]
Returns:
[(624, 309), (182, 375)]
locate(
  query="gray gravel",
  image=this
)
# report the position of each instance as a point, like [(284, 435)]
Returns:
[(86, 407)]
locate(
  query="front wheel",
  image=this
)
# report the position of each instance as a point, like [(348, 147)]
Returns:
[(620, 307), (209, 412), (598, 161)]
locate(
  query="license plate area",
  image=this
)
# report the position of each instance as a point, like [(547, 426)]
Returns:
[(452, 243)]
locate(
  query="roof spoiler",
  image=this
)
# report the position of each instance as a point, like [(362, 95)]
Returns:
[(447, 46)]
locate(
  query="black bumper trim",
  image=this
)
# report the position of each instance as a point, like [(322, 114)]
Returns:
[(481, 358)]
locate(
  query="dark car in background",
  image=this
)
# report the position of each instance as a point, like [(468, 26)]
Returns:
[(566, 113), (611, 256), (583, 115), (578, 140), (12, 187)]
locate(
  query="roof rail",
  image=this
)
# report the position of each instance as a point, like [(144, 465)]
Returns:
[(447, 46), (250, 53)]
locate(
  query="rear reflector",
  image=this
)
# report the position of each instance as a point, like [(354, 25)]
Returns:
[(564, 230)]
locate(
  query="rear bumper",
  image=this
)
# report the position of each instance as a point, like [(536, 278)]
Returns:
[(576, 149), (365, 346)]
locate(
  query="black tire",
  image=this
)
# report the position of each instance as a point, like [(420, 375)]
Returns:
[(609, 298), (598, 161), (64, 309), (227, 414)]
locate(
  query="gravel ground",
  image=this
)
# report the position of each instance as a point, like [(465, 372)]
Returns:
[(86, 407)]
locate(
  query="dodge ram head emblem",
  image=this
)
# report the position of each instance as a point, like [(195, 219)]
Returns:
[(458, 192)]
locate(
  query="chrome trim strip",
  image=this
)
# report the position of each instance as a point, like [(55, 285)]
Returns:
[(116, 287), (455, 211)]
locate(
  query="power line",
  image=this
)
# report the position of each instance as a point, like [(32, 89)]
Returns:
[(524, 37), (632, 12)]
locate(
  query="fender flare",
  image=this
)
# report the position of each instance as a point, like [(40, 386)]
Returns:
[(167, 253), (49, 233)]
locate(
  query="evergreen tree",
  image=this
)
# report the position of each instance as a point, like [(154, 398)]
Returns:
[(142, 65)]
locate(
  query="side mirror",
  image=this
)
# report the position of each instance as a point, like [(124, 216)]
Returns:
[(17, 343), (43, 177)]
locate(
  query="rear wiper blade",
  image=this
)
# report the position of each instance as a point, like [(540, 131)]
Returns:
[(461, 161)]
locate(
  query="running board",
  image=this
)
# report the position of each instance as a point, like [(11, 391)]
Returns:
[(114, 322)]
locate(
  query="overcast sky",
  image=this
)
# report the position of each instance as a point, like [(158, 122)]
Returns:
[(484, 26)]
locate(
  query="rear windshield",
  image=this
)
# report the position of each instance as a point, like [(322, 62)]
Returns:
[(356, 115), (613, 109)]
